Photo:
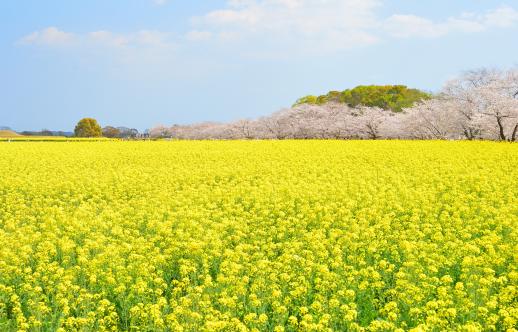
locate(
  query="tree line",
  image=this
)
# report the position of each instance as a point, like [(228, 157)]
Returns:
[(89, 127), (479, 104)]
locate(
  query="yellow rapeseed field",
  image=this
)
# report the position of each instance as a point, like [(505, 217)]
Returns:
[(258, 236)]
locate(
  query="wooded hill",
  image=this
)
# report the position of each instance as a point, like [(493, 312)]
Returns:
[(387, 97)]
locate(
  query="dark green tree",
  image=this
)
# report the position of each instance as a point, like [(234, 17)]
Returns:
[(88, 127), (306, 100), (387, 97)]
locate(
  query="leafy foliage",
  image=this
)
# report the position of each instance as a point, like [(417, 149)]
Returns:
[(88, 127), (119, 132), (111, 132), (387, 97), (46, 133)]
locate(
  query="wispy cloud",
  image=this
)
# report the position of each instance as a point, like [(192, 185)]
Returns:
[(327, 24), (503, 17), (280, 27), (332, 25), (49, 36), (139, 49), (55, 37), (406, 26)]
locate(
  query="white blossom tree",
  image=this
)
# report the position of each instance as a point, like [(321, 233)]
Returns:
[(486, 101), (479, 104), (432, 119), (500, 110), (159, 131), (368, 122)]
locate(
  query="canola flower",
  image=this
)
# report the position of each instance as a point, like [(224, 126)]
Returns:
[(259, 236)]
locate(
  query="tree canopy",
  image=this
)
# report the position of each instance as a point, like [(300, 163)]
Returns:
[(111, 132), (387, 97), (88, 127)]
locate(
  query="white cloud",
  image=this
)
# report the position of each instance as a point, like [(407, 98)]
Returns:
[(311, 26), (284, 28), (406, 26), (141, 48), (503, 17), (324, 24), (49, 36), (53, 36)]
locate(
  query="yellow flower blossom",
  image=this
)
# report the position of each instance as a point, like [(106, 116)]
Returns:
[(258, 235)]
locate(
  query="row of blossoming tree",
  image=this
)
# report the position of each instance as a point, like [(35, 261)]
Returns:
[(480, 104)]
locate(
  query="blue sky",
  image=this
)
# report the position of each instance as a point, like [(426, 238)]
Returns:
[(139, 63)]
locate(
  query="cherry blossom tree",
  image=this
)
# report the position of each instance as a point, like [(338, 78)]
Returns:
[(480, 104), (159, 131), (370, 122), (432, 119)]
